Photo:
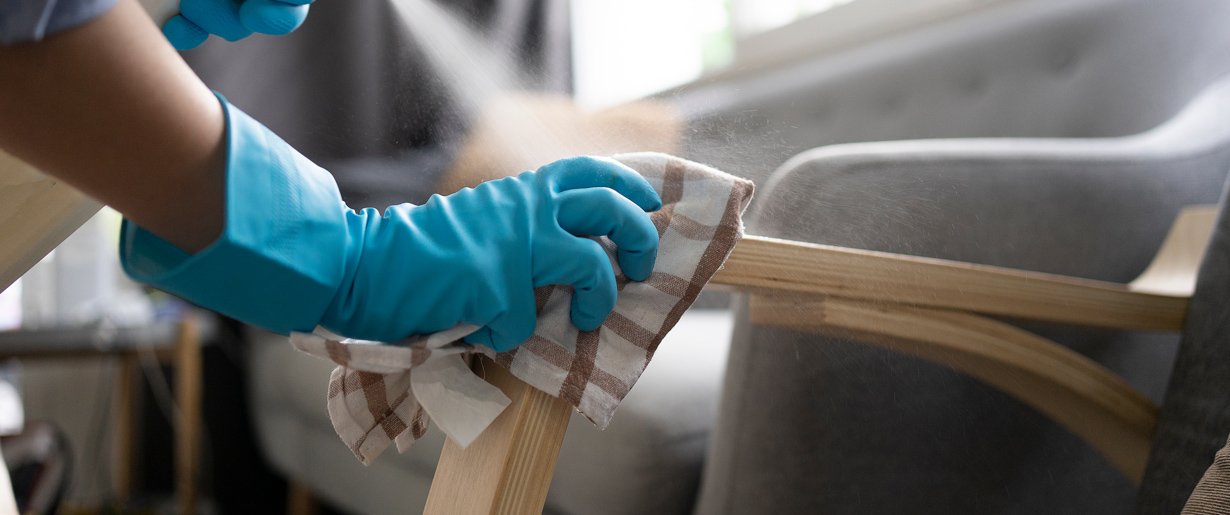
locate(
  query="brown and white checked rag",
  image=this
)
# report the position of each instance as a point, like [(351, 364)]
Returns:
[(385, 393)]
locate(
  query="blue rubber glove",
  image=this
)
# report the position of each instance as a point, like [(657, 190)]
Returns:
[(293, 256), (232, 20), (477, 255)]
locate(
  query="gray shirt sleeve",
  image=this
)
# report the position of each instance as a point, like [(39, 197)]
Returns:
[(32, 20)]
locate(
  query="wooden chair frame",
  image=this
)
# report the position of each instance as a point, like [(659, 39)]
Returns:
[(931, 308)]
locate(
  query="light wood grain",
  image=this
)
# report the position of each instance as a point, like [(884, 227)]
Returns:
[(507, 469), (36, 214), (1174, 267), (1071, 389), (126, 425), (768, 265)]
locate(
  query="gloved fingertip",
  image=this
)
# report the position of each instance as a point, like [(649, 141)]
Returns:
[(636, 189), (594, 172), (183, 34), (637, 266), (218, 17), (585, 321), (653, 202), (271, 16), (641, 194)]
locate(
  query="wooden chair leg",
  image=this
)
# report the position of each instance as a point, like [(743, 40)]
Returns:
[(126, 438), (188, 428), (1073, 390), (301, 500), (507, 470)]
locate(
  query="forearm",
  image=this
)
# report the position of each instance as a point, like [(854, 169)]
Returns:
[(110, 108)]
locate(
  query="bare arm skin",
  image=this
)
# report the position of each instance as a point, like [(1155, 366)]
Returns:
[(111, 109)]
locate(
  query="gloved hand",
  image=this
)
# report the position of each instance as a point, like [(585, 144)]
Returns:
[(293, 256), (232, 20), (476, 256)]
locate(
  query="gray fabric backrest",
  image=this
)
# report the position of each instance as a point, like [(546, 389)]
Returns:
[(1034, 68), (1020, 203), (1195, 416)]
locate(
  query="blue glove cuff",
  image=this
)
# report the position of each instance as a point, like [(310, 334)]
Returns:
[(284, 250)]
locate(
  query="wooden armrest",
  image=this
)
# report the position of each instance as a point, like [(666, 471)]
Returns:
[(772, 266), (926, 308), (1157, 300)]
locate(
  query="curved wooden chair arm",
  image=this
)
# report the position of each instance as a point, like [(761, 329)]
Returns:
[(930, 308), (1157, 300), (1071, 389)]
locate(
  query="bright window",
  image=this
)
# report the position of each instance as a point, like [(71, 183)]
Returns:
[(755, 16), (623, 50), (627, 49)]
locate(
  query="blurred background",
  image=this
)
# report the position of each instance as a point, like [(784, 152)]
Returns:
[(401, 99)]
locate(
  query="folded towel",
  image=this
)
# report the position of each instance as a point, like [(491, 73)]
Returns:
[(384, 393)]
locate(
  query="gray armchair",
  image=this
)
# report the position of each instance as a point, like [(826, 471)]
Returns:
[(811, 424), (816, 424)]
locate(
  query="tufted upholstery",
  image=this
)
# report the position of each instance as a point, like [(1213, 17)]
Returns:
[(813, 424), (1032, 68)]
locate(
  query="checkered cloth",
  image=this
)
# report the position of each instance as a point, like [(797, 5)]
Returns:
[(380, 394)]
